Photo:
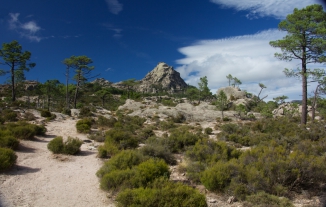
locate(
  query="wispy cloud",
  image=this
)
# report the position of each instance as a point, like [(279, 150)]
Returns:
[(27, 29), (250, 58), (114, 6), (117, 31), (261, 8)]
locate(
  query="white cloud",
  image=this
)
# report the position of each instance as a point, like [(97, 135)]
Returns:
[(27, 29), (114, 6), (261, 8), (250, 58), (31, 27)]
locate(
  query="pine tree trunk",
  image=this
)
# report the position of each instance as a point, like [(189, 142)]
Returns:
[(13, 94), (304, 92)]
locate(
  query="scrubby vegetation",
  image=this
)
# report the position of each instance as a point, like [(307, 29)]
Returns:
[(71, 146), (7, 158), (162, 192), (84, 125)]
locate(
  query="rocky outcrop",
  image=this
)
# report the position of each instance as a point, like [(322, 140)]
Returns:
[(234, 92), (102, 82), (191, 113), (162, 77), (30, 84)]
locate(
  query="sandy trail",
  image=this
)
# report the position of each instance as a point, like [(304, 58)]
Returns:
[(43, 179)]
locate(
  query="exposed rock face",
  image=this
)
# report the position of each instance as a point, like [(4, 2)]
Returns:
[(30, 84), (191, 113), (102, 82), (162, 77), (232, 91)]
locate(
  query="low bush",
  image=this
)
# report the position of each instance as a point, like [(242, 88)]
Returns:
[(149, 170), (158, 149), (162, 192), (106, 122), (165, 125), (181, 137), (71, 146), (146, 133), (7, 158), (66, 111), (24, 130), (208, 130), (85, 112), (9, 115), (123, 160), (179, 118), (84, 125), (8, 141), (140, 175), (29, 116), (98, 136), (263, 199), (122, 138), (168, 102), (46, 113), (56, 145)]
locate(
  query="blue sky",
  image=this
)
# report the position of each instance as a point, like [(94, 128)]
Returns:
[(127, 38)]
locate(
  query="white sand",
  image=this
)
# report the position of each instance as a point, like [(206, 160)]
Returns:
[(43, 179)]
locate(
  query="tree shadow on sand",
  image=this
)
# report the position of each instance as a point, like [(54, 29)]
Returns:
[(21, 170), (25, 149), (86, 153)]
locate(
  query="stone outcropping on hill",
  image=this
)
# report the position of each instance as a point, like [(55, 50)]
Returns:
[(162, 77), (232, 91), (102, 82), (191, 113)]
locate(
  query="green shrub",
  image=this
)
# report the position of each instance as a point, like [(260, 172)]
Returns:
[(230, 128), (147, 171), (263, 199), (226, 119), (8, 141), (52, 117), (179, 118), (146, 133), (39, 129), (162, 193), (23, 132), (124, 160), (181, 137), (66, 111), (46, 113), (84, 125), (97, 136), (208, 130), (108, 150), (122, 138), (71, 146), (85, 112), (217, 178), (169, 102), (106, 122), (117, 180), (164, 125), (29, 116), (7, 158), (2, 120), (155, 148), (9, 115), (56, 145)]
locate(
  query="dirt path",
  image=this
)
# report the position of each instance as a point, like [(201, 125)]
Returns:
[(43, 179)]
